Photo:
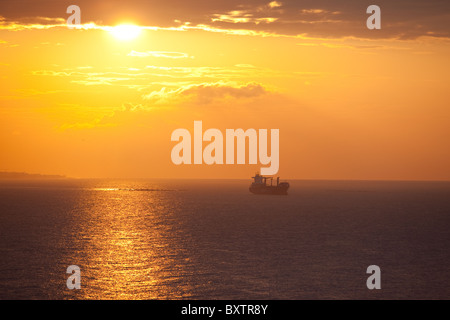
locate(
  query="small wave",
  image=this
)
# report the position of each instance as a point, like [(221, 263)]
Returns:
[(132, 189), (147, 190)]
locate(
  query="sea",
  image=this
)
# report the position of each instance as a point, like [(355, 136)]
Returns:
[(213, 239)]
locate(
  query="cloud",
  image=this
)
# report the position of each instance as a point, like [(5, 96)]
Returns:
[(159, 54), (401, 19), (274, 4), (128, 112), (254, 15), (204, 93), (143, 78)]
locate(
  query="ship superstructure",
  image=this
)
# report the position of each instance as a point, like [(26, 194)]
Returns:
[(261, 185)]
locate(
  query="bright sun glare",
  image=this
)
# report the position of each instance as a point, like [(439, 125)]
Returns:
[(126, 31)]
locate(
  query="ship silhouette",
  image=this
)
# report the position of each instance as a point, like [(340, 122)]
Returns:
[(261, 186)]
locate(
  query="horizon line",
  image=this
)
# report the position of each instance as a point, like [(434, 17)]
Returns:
[(64, 177)]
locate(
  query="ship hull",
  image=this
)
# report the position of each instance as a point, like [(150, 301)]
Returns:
[(276, 190)]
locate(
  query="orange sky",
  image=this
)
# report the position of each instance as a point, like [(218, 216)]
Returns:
[(350, 103)]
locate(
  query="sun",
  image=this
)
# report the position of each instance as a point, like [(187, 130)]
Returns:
[(126, 31)]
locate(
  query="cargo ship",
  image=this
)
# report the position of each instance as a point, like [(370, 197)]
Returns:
[(261, 186)]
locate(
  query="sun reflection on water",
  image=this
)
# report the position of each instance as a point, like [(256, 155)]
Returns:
[(129, 246)]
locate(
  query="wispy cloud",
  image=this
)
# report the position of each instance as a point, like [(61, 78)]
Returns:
[(141, 78), (255, 15), (159, 54)]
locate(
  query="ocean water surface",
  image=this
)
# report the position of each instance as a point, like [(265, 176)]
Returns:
[(213, 239)]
